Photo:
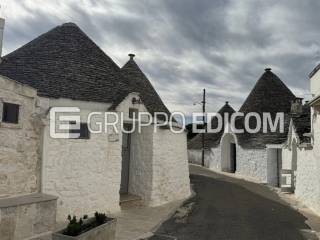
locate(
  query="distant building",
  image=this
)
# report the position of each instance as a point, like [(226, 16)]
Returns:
[(301, 153), (258, 155)]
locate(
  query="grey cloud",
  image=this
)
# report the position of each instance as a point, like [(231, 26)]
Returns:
[(164, 33)]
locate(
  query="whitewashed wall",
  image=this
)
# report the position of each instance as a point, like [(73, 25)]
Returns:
[(212, 158), (215, 157), (84, 173), (252, 163), (274, 166), (289, 161), (315, 84), (308, 169), (286, 158), (19, 143), (170, 167), (308, 179)]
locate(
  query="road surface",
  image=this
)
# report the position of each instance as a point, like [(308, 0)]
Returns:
[(225, 208)]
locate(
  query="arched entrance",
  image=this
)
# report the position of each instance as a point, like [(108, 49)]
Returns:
[(228, 153)]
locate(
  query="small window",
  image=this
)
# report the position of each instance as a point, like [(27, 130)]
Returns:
[(10, 113), (133, 113), (83, 131)]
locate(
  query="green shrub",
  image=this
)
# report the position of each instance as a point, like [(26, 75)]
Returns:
[(74, 227), (101, 218)]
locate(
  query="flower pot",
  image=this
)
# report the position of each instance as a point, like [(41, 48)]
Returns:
[(106, 231)]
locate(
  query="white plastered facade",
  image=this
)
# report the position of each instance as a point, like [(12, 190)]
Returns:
[(86, 173)]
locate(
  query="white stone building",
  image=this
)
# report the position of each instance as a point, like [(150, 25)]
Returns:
[(255, 156), (301, 153), (65, 68)]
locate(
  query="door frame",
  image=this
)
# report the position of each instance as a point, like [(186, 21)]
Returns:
[(127, 127)]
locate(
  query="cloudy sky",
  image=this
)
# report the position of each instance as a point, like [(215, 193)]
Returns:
[(184, 46)]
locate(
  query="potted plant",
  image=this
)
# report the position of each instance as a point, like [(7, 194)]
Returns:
[(99, 227)]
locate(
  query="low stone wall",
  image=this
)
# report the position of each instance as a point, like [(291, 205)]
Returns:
[(251, 163), (27, 217)]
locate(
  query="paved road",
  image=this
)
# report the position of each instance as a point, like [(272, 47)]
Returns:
[(232, 209)]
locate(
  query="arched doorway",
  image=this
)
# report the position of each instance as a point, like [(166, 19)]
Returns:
[(228, 153)]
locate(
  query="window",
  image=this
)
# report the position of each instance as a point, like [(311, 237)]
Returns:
[(10, 113), (133, 113), (83, 131)]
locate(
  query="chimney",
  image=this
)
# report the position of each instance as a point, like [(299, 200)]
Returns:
[(2, 21), (296, 106), (131, 55)]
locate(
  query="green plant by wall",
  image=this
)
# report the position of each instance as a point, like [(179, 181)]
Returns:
[(74, 227)]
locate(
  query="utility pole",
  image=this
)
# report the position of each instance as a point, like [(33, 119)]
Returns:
[(204, 124)]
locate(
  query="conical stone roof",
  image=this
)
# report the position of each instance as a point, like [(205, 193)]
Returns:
[(269, 95), (137, 81), (65, 63)]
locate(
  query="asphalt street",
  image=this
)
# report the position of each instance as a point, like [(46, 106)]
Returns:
[(225, 208)]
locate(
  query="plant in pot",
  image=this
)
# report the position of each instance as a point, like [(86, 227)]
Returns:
[(99, 227)]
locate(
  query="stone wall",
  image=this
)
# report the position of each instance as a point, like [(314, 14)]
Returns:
[(252, 163), (28, 217), (170, 167), (84, 173), (19, 143)]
